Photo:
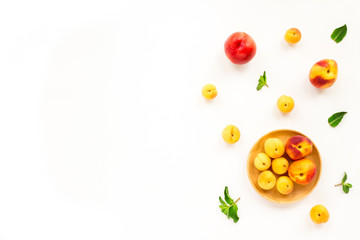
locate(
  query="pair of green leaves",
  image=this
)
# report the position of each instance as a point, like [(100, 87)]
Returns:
[(345, 186), (262, 82), (229, 208), (339, 33), (336, 118)]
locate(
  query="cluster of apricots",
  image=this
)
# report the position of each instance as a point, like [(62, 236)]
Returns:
[(301, 170)]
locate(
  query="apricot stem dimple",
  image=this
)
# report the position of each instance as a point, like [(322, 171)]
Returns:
[(301, 174), (319, 214)]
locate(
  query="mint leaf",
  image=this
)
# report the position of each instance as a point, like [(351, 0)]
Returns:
[(336, 118), (344, 178), (233, 213), (348, 185), (262, 82), (229, 210), (339, 33), (222, 202), (345, 189), (224, 207), (228, 199)]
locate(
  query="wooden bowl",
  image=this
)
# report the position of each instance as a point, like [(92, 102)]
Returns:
[(300, 191)]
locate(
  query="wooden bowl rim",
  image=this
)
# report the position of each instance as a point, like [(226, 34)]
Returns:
[(268, 198)]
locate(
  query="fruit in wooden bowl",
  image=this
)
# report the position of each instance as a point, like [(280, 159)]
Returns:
[(266, 180), (298, 147), (302, 171), (280, 165), (274, 147), (262, 162), (283, 194), (284, 185)]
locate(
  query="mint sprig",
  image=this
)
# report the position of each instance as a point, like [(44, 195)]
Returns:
[(345, 186), (229, 208), (262, 82)]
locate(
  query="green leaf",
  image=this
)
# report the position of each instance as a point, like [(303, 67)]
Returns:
[(344, 178), (224, 207), (345, 189), (348, 185), (262, 82), (227, 196), (226, 211), (222, 201), (336, 118), (339, 33), (229, 210), (233, 213)]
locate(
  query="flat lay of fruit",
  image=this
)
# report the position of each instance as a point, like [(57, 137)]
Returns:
[(283, 166)]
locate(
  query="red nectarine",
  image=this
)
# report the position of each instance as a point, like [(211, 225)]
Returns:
[(240, 48)]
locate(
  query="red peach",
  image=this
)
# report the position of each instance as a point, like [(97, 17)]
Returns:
[(298, 147)]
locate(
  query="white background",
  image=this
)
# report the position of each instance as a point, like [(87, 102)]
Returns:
[(105, 135)]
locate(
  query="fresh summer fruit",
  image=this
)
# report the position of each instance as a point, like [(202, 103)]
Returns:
[(323, 74), (231, 134), (292, 35), (274, 147), (262, 162), (280, 165), (302, 171), (209, 91), (285, 103), (266, 180), (319, 214), (298, 147), (284, 185), (240, 48)]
